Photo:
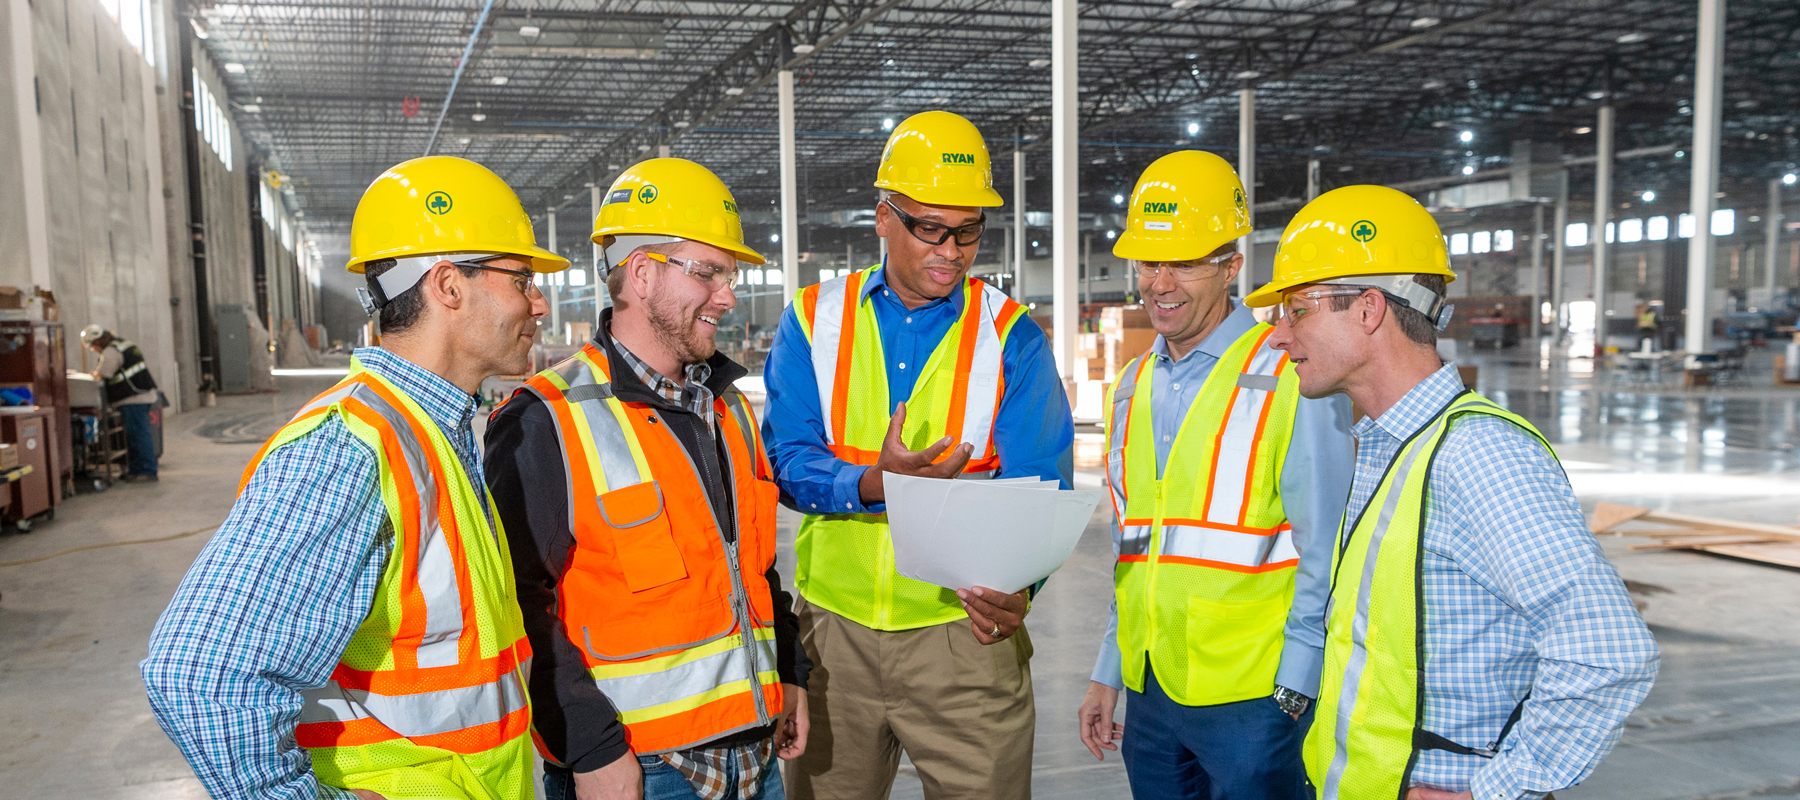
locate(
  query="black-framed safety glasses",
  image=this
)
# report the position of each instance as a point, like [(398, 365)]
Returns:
[(935, 233), (529, 288)]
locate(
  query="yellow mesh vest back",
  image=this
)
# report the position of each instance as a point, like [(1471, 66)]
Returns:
[(1361, 745), (845, 562), (365, 754), (1206, 561)]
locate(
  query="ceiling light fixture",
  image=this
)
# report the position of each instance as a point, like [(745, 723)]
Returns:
[(1788, 179), (1468, 170), (529, 31), (1289, 117), (234, 68), (887, 124), (803, 49), (500, 80), (1633, 38), (1193, 129), (1649, 196), (734, 91), (1466, 137), (1039, 63), (1584, 130), (1248, 74), (478, 117), (199, 29), (1430, 85), (1183, 5), (1422, 23)]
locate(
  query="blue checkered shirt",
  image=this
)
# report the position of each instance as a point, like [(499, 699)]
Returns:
[(1518, 598), (268, 607)]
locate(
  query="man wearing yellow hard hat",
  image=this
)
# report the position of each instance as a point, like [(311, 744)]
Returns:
[(641, 510), (352, 625), (1478, 642), (911, 367), (1227, 487)]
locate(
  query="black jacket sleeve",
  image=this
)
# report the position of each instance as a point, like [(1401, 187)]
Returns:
[(790, 656), (525, 474)]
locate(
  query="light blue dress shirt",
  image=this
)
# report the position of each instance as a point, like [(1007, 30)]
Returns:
[(1315, 480), (1033, 431), (268, 607), (1518, 598)]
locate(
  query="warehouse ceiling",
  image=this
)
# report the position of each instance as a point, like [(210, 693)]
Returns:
[(558, 94)]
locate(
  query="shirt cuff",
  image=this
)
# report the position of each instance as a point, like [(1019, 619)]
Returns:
[(846, 494), (1496, 782), (1300, 668), (334, 793), (1109, 666)]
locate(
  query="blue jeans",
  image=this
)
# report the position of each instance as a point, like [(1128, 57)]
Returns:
[(140, 444), (663, 782), (1248, 750)]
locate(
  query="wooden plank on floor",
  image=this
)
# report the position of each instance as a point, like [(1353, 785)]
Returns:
[(1695, 544), (1610, 515), (1784, 532), (1785, 554)]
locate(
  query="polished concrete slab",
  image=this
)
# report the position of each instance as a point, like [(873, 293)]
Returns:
[(1723, 720)]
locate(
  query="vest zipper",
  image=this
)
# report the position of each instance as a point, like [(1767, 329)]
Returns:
[(740, 599), (1156, 539)]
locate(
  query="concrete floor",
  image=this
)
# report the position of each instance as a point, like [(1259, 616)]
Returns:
[(1723, 720)]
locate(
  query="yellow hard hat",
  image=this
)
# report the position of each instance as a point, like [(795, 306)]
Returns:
[(666, 199), (1186, 205), (440, 205), (940, 159), (1352, 231)]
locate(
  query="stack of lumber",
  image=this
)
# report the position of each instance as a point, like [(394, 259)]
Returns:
[(1752, 541)]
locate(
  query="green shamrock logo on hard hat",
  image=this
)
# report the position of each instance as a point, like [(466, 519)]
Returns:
[(438, 203), (1362, 231), (1237, 196), (647, 194)]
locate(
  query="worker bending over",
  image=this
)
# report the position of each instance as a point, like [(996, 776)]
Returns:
[(126, 380), (914, 368), (1227, 487), (641, 510), (1478, 642), (352, 624)]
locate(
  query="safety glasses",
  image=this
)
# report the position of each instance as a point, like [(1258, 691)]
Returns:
[(1183, 271), (522, 279), (1299, 305), (934, 234), (715, 276)]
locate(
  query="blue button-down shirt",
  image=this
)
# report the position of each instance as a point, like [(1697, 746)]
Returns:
[(1034, 434), (1315, 480), (267, 609), (1518, 598)]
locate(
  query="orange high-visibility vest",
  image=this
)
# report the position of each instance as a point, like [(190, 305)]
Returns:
[(675, 624), (427, 700)]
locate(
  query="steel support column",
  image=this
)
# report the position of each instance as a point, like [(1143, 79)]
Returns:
[(1559, 238), (1704, 155), (1603, 172), (602, 297), (1312, 179), (1247, 173), (1065, 175), (1772, 235), (1537, 272), (550, 280), (1019, 242), (30, 151), (790, 222)]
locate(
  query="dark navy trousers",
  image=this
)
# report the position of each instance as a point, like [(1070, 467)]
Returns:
[(1248, 750)]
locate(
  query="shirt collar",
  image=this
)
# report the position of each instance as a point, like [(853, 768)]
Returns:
[(878, 280), (1418, 406), (447, 405), (1232, 328)]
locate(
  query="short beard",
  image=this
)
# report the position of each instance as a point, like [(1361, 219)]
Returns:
[(669, 327)]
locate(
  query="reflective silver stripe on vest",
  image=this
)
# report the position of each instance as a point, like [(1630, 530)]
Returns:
[(827, 329), (1228, 547), (1131, 540), (734, 400), (639, 692), (587, 396), (1359, 627), (422, 714), (436, 567), (983, 399), (1237, 439)]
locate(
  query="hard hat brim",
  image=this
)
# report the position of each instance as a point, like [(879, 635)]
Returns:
[(1135, 246), (743, 253), (972, 198), (1270, 293), (541, 260)]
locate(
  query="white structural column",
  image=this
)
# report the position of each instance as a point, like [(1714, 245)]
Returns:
[(1708, 83), (30, 150), (790, 223), (1559, 239), (1247, 173), (551, 280), (1065, 175), (1020, 245), (1537, 271), (1312, 179), (1603, 172), (662, 151), (1772, 235)]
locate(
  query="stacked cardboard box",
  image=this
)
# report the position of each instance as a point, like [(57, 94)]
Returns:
[(1126, 334)]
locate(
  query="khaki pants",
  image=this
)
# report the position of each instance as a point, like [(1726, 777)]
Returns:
[(962, 711)]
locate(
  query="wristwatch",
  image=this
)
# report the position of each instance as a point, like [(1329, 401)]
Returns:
[(1291, 701)]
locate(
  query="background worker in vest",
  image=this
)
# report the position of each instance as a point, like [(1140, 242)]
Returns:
[(1646, 324), (1218, 616), (669, 661), (130, 388), (1462, 545), (327, 639), (899, 368)]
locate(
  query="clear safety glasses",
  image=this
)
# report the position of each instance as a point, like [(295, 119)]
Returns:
[(1183, 271), (1299, 305), (715, 276)]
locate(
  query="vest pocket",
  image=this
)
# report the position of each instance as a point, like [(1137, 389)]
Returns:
[(1235, 646), (641, 535)]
